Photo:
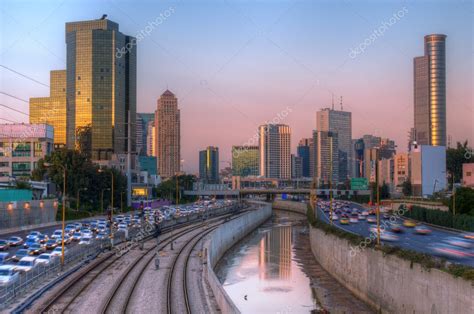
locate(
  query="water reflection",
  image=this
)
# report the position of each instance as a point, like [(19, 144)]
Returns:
[(275, 253), (261, 274)]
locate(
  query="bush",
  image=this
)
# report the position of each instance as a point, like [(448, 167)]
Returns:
[(73, 214), (441, 218)]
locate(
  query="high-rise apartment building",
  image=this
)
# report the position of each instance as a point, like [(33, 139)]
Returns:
[(101, 87), (275, 151), (303, 151), (142, 132), (245, 161), (209, 165), (296, 167), (340, 122), (168, 135), (430, 92), (401, 172), (52, 110), (151, 139), (325, 143)]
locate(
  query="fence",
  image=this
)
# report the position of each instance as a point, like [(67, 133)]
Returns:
[(39, 274)]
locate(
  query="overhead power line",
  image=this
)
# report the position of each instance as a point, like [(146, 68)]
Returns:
[(9, 120), (12, 96), (23, 75), (13, 109)]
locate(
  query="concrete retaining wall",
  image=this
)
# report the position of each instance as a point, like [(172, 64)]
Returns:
[(25, 213), (292, 206), (221, 240), (389, 283)]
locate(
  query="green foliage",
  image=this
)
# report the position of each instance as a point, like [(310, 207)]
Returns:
[(441, 218), (455, 157), (167, 189), (81, 175), (464, 201), (73, 214), (22, 185), (407, 188)]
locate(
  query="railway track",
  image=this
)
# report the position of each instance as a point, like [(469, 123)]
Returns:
[(67, 296)]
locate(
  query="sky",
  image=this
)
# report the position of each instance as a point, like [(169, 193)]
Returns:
[(237, 64)]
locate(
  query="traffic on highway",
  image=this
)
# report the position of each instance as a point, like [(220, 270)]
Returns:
[(24, 251), (396, 230)]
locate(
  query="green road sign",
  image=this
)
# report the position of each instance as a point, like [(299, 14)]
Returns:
[(359, 184)]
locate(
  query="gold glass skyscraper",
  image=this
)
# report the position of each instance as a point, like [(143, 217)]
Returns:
[(168, 135), (101, 87), (430, 92), (52, 109)]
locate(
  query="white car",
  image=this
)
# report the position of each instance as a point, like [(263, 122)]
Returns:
[(25, 264), (122, 226), (57, 234), (85, 241), (45, 259), (57, 251), (8, 275)]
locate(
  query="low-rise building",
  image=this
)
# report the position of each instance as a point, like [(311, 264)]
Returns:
[(21, 146), (468, 175)]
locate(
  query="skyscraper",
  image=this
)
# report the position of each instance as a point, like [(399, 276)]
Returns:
[(151, 139), (275, 151), (101, 87), (296, 166), (340, 122), (142, 132), (245, 161), (52, 109), (324, 143), (303, 151), (168, 135), (209, 165), (430, 92)]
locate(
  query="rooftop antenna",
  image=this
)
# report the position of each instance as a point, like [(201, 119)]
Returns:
[(104, 16), (341, 104), (332, 101)]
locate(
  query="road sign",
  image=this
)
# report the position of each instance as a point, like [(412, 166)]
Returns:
[(284, 196), (359, 184)]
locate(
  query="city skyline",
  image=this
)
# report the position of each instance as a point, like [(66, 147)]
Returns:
[(224, 100)]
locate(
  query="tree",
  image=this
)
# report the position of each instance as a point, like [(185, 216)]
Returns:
[(407, 188), (167, 189), (464, 201), (455, 157), (81, 173)]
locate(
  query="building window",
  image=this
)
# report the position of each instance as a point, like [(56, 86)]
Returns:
[(468, 174), (21, 149), (38, 149), (4, 164), (21, 169), (78, 92), (78, 78)]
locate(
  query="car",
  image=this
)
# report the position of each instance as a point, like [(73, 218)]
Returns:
[(57, 234), (67, 239), (26, 264), (36, 249), (4, 245), (396, 228), (451, 251), (371, 220), (15, 241), (78, 226), (86, 232), (344, 221), (29, 243), (361, 217), (422, 230), (388, 236), (52, 243), (43, 238), (468, 235), (8, 275), (461, 242), (58, 251), (19, 254), (70, 228), (35, 233), (85, 241), (409, 223), (45, 259), (76, 236), (3, 257), (334, 217)]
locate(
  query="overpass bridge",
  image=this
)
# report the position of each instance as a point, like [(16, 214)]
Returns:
[(272, 192)]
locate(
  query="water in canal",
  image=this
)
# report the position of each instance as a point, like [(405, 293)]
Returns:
[(273, 271)]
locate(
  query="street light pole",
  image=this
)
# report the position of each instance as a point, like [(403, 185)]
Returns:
[(378, 194), (330, 179)]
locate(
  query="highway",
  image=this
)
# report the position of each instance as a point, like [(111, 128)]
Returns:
[(408, 239)]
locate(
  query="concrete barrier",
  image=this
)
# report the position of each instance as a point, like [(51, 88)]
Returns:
[(291, 206), (221, 240), (391, 284)]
